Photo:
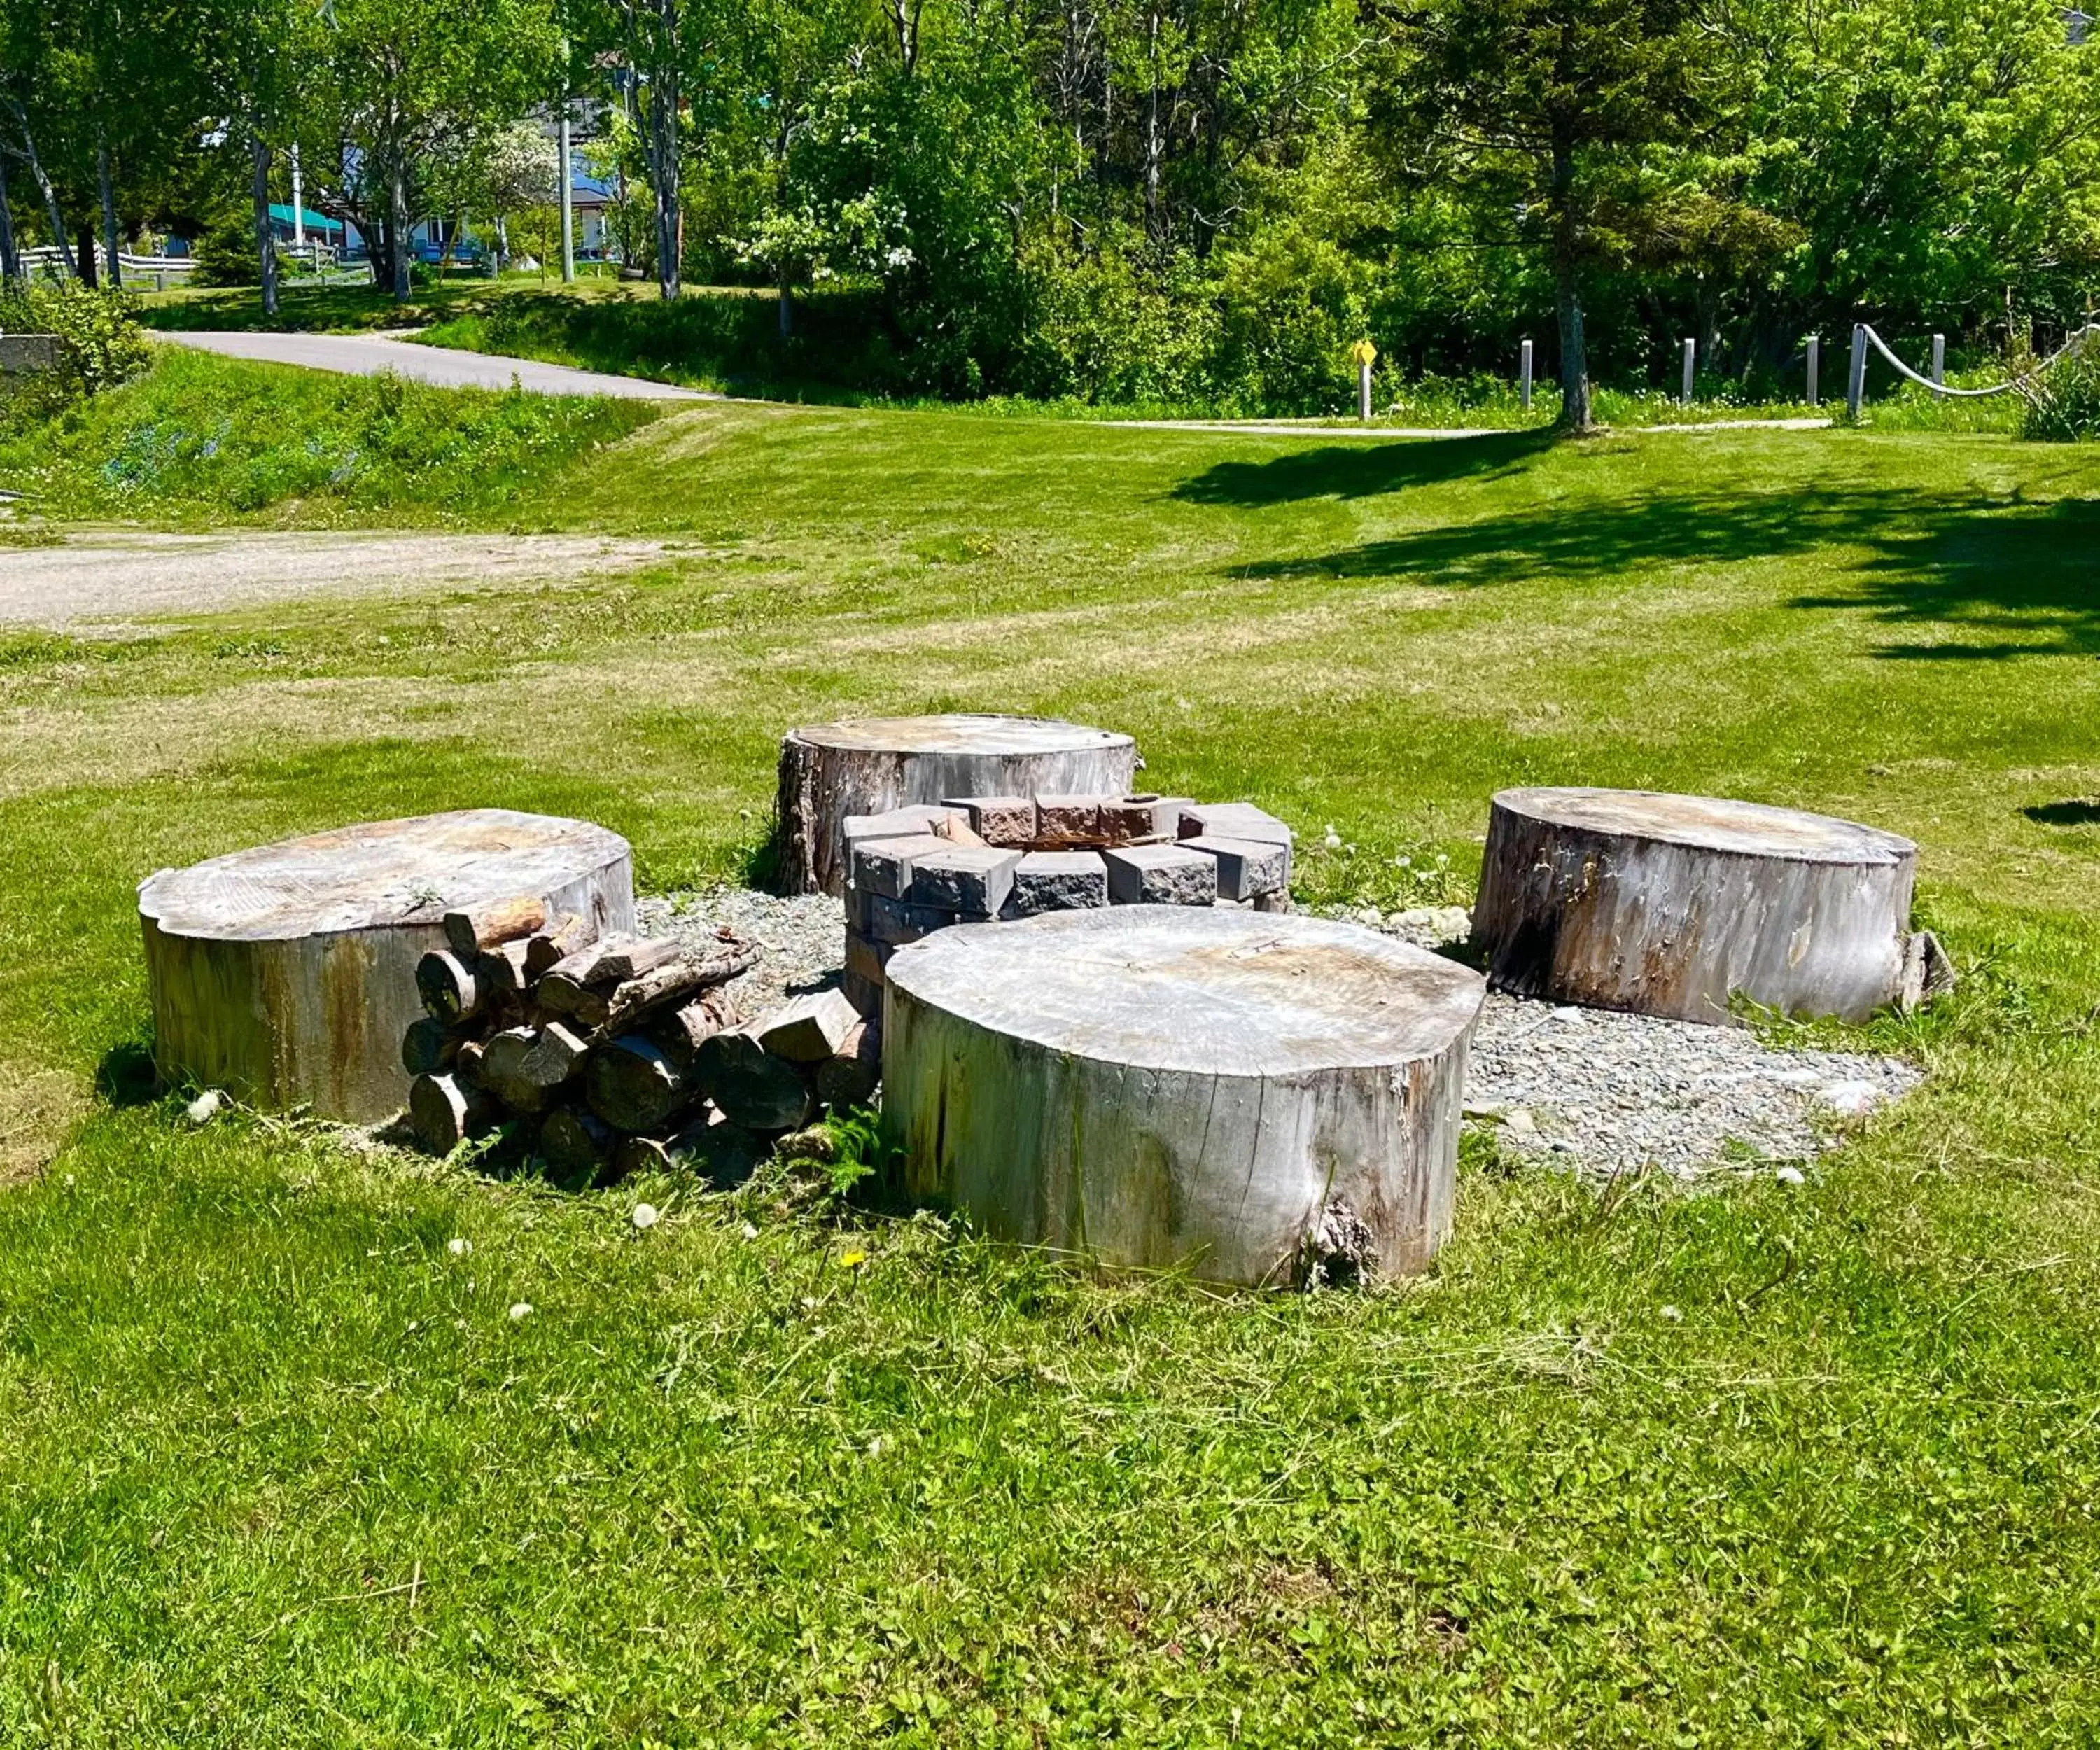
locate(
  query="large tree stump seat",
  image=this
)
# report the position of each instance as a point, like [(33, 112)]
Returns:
[(286, 974), (869, 765), (1258, 1099), (1678, 906)]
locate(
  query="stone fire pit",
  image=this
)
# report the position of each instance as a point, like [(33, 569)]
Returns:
[(984, 859)]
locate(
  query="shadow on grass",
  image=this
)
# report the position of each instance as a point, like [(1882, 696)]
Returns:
[(2006, 579), (125, 1075), (1362, 471), (2080, 813)]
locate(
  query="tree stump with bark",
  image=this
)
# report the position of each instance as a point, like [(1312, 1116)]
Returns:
[(1677, 906), (1261, 1099), (287, 974), (870, 765)]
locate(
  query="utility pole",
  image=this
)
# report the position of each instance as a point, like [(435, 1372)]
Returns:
[(299, 205)]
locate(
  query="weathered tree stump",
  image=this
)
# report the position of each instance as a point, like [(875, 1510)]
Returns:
[(1674, 906), (288, 974), (870, 765), (1261, 1099)]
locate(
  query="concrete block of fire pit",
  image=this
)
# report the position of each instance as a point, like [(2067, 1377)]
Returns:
[(1058, 881), (1067, 819), (883, 867), (1006, 822), (1233, 820), (897, 921), (1246, 869), (895, 823), (1133, 820), (1160, 874), (964, 878)]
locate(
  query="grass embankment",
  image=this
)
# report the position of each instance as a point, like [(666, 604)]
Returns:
[(727, 339), (280, 1468), (200, 436)]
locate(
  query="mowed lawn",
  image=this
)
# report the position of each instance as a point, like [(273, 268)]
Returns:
[(1753, 1465)]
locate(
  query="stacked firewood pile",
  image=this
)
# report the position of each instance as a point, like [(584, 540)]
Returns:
[(609, 1055), (991, 859)]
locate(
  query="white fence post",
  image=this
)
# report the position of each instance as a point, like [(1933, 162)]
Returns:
[(1815, 370), (1855, 385), (1940, 360), (1691, 363), (1523, 372)]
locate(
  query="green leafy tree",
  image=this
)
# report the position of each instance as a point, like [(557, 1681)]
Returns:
[(1540, 109), (408, 82)]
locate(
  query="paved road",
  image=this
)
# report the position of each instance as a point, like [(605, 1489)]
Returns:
[(367, 355)]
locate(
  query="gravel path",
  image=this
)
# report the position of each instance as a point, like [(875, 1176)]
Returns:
[(1586, 1088), (369, 355), (120, 575)]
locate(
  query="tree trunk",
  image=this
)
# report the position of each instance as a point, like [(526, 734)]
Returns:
[(663, 177), (109, 239), (787, 306), (1575, 413), (265, 244), (52, 217), (1257, 1100), (11, 259), (397, 226)]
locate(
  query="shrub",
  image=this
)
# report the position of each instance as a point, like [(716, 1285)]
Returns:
[(100, 344), (2063, 402), (227, 255)]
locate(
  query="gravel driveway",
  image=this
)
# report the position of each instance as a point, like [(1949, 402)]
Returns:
[(128, 575)]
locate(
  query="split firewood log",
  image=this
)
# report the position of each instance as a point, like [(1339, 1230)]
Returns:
[(448, 988), (445, 1112), (468, 934), (501, 974), (546, 949), (622, 1007), (698, 969), (575, 1146), (810, 1029), (633, 1085), (848, 1077), (526, 1068), (750, 1085), (428, 1046), (466, 1061)]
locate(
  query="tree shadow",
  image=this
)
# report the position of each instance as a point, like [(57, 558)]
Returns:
[(2024, 577), (1359, 470), (2080, 812)]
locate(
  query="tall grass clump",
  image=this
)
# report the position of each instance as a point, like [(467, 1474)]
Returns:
[(2062, 404)]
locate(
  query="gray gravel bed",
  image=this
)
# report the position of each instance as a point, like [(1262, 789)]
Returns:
[(1582, 1088)]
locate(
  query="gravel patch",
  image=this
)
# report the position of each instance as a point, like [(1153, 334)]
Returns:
[(1586, 1089), (1609, 1093), (800, 940), (112, 574)]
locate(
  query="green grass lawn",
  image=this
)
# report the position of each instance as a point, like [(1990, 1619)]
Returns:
[(278, 1467)]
